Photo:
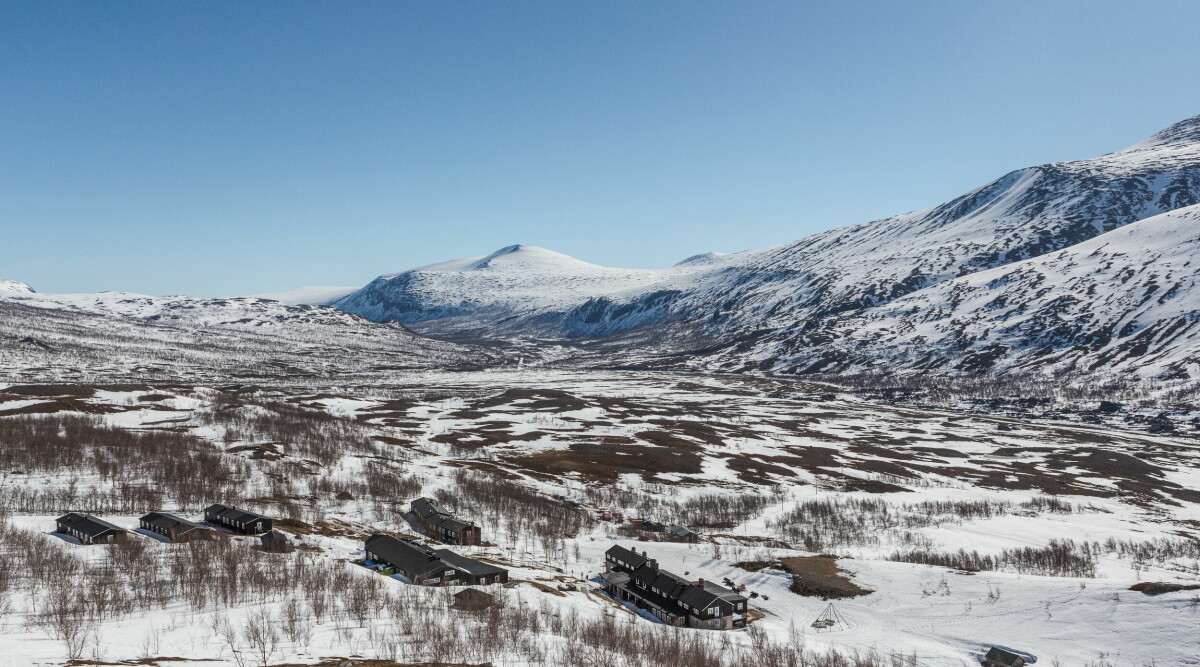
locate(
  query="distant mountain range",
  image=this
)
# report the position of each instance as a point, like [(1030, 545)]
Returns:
[(1075, 266), (989, 281)]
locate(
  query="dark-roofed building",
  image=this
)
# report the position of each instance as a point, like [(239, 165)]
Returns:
[(89, 529), (471, 571), (653, 526), (275, 542), (434, 521), (674, 600), (427, 567), (998, 657), (681, 534), (174, 528), (473, 599), (239, 521)]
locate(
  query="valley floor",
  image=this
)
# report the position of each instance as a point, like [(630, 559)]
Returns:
[(1038, 530)]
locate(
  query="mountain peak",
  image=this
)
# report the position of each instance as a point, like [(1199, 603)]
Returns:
[(1186, 131), (525, 257), (12, 286)]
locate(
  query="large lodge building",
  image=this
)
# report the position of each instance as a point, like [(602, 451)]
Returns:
[(638, 579)]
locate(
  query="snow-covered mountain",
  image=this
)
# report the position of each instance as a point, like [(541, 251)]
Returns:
[(121, 335), (1127, 301), (14, 287), (762, 309), (519, 288)]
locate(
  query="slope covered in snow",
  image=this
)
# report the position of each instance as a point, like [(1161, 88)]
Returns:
[(1126, 300), (307, 296), (759, 309), (114, 335), (13, 286), (501, 289)]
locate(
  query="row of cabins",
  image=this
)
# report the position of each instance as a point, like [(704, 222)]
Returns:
[(437, 523), (93, 530), (672, 599), (428, 567)]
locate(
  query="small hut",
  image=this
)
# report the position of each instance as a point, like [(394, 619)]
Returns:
[(473, 599), (275, 542), (998, 657)]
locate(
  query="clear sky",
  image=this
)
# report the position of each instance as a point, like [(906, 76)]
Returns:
[(231, 148)]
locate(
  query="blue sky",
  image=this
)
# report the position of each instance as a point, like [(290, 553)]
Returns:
[(232, 148)]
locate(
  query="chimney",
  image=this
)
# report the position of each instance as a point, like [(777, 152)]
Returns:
[(700, 583)]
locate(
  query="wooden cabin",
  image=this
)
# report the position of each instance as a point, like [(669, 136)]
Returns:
[(998, 657), (426, 567), (435, 522), (473, 599), (275, 542), (672, 599), (89, 529), (239, 521), (174, 528)]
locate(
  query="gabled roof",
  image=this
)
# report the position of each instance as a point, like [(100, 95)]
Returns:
[(703, 597), (232, 513), (427, 507), (470, 565), (632, 560), (999, 655), (412, 558), (166, 522), (88, 524), (680, 531), (452, 523)]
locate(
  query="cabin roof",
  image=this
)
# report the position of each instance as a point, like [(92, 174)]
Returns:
[(414, 559), (88, 524), (1003, 657), (631, 559), (164, 521), (233, 514), (460, 562)]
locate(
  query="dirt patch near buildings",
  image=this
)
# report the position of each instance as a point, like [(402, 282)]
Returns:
[(820, 576), (1160, 587)]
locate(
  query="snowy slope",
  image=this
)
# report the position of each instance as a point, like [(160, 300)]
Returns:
[(307, 296), (1125, 300), (122, 335), (15, 287), (479, 293), (755, 309)]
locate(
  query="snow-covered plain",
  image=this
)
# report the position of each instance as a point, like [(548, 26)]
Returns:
[(626, 442)]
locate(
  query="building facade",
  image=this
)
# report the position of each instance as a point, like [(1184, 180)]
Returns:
[(239, 521), (637, 579), (89, 529), (427, 567), (174, 528), (436, 522)]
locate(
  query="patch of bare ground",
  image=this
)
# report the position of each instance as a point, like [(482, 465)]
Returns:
[(606, 463), (820, 576), (484, 466), (1160, 587), (755, 469), (331, 528), (533, 400), (61, 405), (757, 565)]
